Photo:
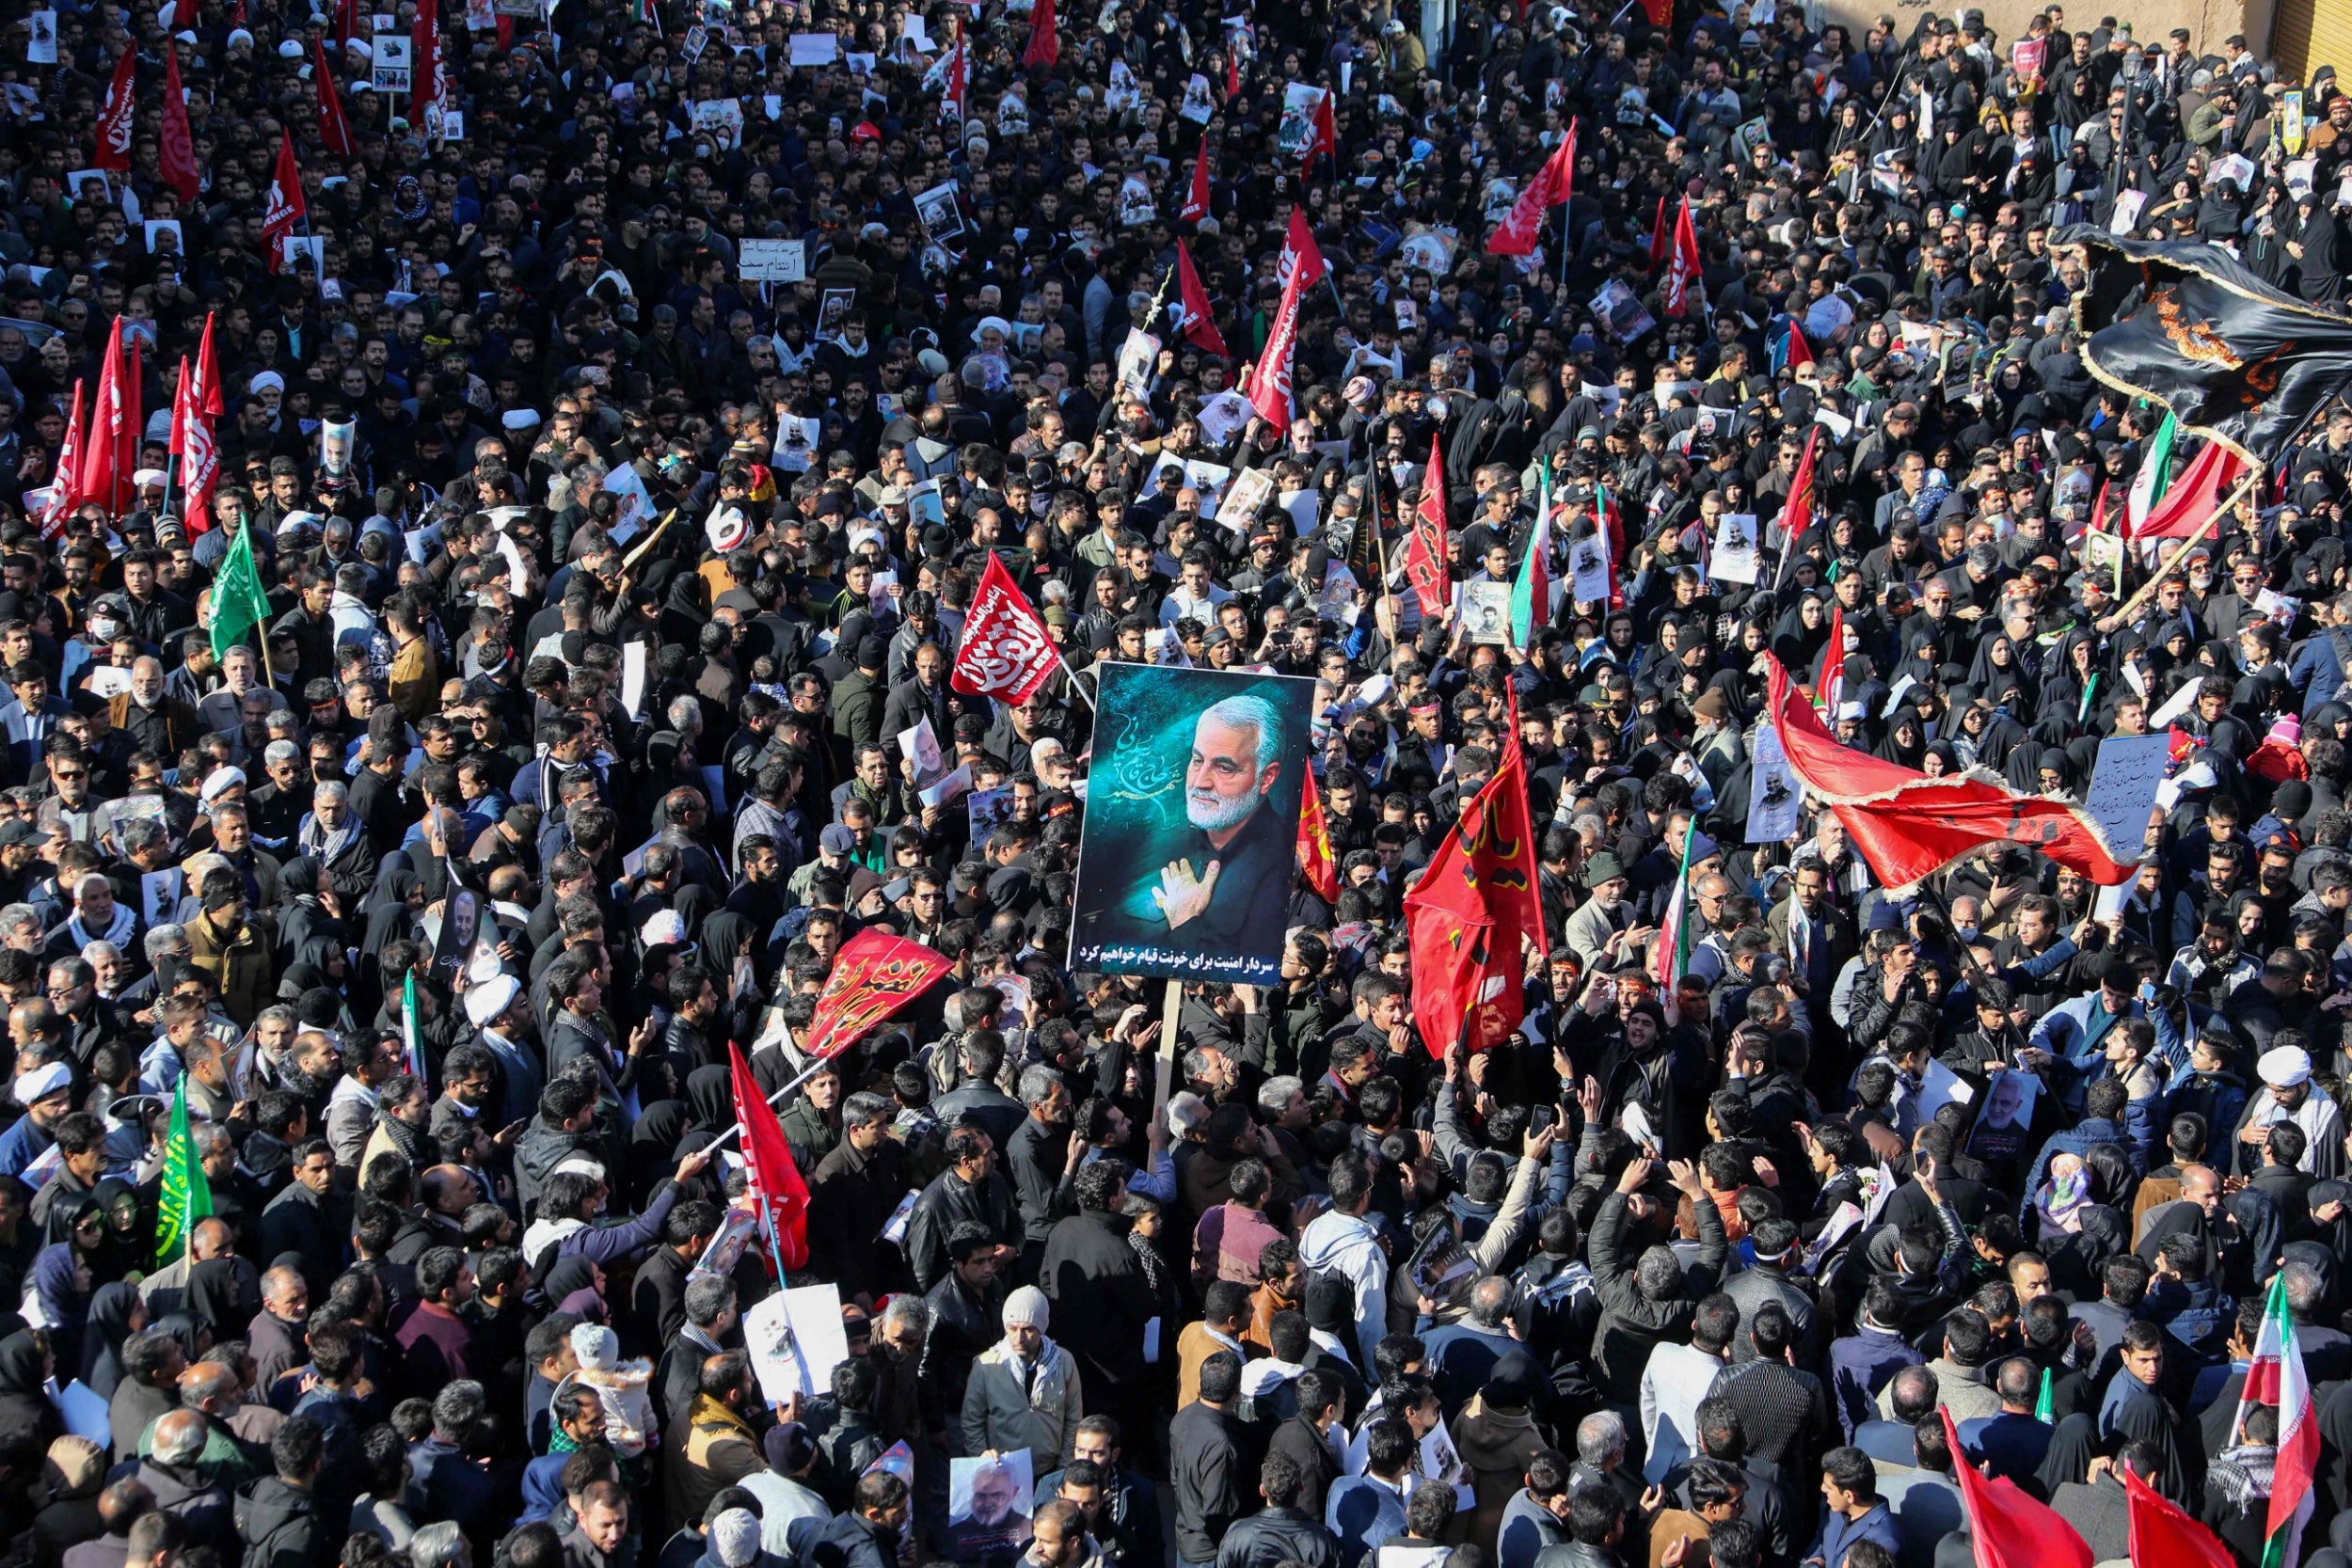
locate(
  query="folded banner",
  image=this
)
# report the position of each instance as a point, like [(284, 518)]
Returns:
[(2231, 356), (874, 975), (1907, 825)]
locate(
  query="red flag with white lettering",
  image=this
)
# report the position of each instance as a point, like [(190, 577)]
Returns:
[(1682, 265), (115, 115), (1004, 652), (1269, 389), (1196, 203), (283, 206), (66, 479), (1516, 235)]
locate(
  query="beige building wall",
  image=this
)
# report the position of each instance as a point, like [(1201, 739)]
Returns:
[(2208, 20)]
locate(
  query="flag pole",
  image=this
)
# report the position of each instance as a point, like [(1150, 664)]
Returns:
[(2229, 503)]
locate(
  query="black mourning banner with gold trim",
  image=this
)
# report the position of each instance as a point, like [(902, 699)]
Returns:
[(2191, 327)]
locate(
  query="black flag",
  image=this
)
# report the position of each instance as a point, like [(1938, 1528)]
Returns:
[(2231, 356)]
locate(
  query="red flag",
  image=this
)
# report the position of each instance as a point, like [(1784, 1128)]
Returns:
[(196, 404), (874, 975), (2193, 496), (425, 65), (134, 430), (208, 374), (1424, 568), (1660, 12), (1682, 264), (285, 205), (116, 114), (1196, 203), (1500, 830), (1907, 825), (1233, 74), (2006, 1528), (65, 482), (955, 96), (1300, 253), (774, 1180), (1800, 352), (1659, 237), (1324, 142), (102, 442), (180, 386), (1199, 324), (1796, 512), (1516, 235), (1004, 652), (2162, 1536), (1431, 508), (334, 127), (1269, 389), (1314, 845), (178, 159), (346, 22), (1044, 42), (1467, 914)]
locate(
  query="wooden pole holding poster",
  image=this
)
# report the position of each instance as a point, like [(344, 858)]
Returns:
[(1164, 1066)]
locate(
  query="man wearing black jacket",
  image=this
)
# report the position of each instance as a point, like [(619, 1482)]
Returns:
[(1205, 1464), (1282, 1531)]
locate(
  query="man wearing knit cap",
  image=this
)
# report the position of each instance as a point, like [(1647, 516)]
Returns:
[(1024, 1391), (2286, 1075)]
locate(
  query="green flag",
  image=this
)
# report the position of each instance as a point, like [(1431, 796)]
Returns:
[(239, 604), (187, 1197)]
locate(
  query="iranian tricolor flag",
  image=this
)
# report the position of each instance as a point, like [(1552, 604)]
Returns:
[(2155, 471), (1673, 954), (1829, 683), (2276, 1378), (1531, 595), (411, 1027)]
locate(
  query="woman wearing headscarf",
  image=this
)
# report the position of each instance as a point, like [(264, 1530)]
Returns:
[(223, 1294), (116, 1313), (2318, 249), (122, 1248), (1906, 742), (27, 1416), (61, 1286), (576, 1285), (392, 908)]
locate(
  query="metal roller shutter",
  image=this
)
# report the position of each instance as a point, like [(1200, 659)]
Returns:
[(2308, 33)]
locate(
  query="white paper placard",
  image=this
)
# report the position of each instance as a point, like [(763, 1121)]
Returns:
[(795, 1339), (772, 260), (633, 678)]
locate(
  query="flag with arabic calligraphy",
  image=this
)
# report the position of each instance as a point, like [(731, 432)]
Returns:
[(2227, 354), (1006, 653), (874, 976), (1466, 916)]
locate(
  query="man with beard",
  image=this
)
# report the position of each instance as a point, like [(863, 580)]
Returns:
[(1232, 880), (225, 944), (852, 1194), (2289, 1095)]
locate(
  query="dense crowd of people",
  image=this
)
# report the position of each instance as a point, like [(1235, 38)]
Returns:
[(618, 433)]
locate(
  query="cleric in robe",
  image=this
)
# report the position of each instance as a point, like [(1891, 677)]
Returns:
[(1207, 894)]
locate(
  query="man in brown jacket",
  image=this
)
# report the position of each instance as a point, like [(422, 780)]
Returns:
[(224, 944)]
